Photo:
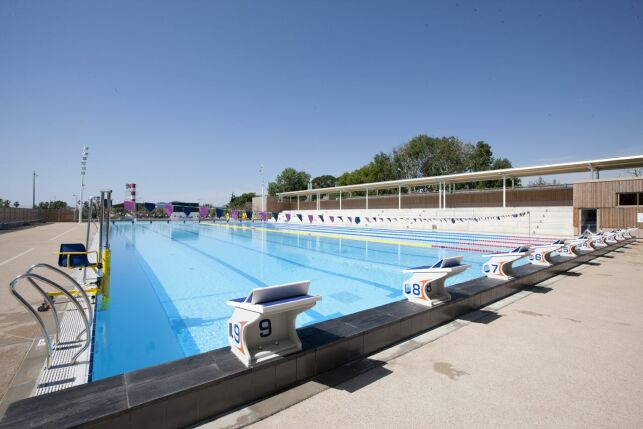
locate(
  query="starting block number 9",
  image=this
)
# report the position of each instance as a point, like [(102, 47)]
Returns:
[(265, 328), (235, 332)]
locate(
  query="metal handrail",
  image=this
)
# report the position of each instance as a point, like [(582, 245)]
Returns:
[(77, 285), (25, 303)]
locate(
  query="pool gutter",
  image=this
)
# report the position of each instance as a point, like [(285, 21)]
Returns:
[(190, 390)]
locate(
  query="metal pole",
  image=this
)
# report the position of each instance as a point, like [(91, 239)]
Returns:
[(298, 198), (83, 165), (109, 210), (263, 198), (504, 192), (33, 194), (399, 197), (340, 200), (367, 199), (101, 217)]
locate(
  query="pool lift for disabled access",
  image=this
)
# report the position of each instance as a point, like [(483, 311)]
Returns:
[(262, 326), (71, 288), (426, 284), (500, 265), (76, 256)]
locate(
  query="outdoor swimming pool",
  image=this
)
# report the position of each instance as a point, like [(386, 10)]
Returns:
[(170, 281)]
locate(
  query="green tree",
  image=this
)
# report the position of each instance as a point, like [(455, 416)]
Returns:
[(325, 181), (5, 203), (289, 180), (243, 201), (52, 204), (480, 158)]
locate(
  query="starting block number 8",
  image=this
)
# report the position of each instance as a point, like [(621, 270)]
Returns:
[(416, 289)]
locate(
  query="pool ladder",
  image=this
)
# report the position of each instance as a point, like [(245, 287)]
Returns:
[(87, 318)]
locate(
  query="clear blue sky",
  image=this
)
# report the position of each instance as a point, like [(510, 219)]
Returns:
[(188, 98)]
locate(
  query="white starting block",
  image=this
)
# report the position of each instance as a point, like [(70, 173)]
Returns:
[(542, 254), (500, 265), (426, 285), (628, 232), (610, 237), (575, 247), (598, 241), (262, 326), (619, 235)]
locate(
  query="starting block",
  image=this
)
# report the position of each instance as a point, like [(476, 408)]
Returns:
[(610, 237), (500, 266), (426, 284), (627, 232), (619, 234), (574, 247), (598, 241), (542, 254), (262, 326)]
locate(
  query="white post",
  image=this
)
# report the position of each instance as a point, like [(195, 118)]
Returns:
[(399, 198), (318, 203), (340, 200), (298, 198), (440, 195), (445, 195), (367, 199), (504, 191)]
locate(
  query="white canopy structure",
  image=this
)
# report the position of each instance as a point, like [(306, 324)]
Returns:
[(592, 166)]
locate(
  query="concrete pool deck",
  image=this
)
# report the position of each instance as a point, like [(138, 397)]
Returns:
[(21, 358), (565, 354)]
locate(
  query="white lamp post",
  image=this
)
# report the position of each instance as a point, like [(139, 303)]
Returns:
[(83, 167), (263, 204)]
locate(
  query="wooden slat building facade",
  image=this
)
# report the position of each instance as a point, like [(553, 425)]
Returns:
[(603, 196)]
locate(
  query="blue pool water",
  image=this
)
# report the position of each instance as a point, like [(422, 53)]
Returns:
[(170, 282)]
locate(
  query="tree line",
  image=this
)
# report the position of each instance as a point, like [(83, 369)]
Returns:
[(422, 156), (42, 205)]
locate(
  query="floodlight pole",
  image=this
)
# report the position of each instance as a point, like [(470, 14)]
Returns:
[(263, 204), (83, 166)]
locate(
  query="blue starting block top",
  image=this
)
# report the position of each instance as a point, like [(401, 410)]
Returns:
[(276, 298), (452, 262)]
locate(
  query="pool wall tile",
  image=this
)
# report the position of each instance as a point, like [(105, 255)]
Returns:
[(190, 390), (263, 380), (306, 365)]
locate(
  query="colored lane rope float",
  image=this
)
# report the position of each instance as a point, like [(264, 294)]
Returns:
[(321, 234)]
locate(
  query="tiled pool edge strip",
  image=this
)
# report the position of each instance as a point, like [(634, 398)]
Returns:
[(200, 387)]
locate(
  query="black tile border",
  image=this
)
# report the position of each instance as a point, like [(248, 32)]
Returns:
[(200, 387)]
